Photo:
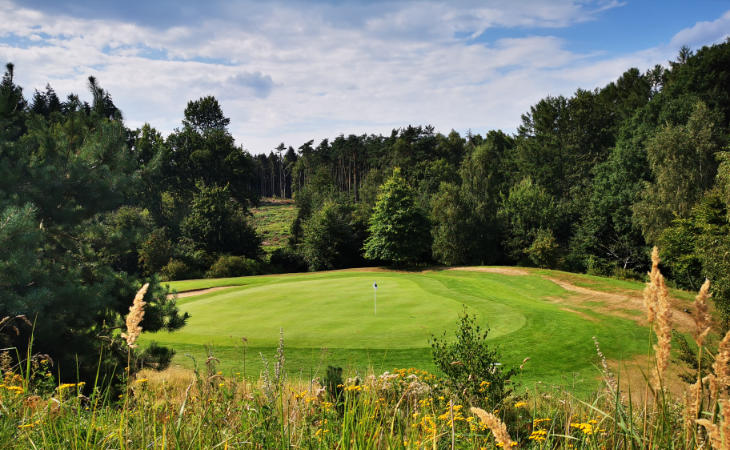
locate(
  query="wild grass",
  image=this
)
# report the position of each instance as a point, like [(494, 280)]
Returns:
[(402, 408), (272, 220)]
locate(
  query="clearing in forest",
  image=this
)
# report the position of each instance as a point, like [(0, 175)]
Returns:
[(329, 318)]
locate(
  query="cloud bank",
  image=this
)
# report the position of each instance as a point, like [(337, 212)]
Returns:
[(297, 71)]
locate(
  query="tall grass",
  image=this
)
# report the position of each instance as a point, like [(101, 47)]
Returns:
[(405, 408)]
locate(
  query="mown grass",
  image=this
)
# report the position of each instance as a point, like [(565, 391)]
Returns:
[(328, 318), (272, 220)]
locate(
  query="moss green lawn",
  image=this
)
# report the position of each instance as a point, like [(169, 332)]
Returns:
[(328, 318)]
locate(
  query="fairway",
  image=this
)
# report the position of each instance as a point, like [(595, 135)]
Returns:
[(329, 318)]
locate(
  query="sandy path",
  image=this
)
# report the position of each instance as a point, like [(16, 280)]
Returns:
[(617, 304)]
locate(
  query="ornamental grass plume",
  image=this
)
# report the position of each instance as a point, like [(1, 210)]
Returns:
[(701, 314), (720, 367), (719, 436), (650, 294), (134, 318), (498, 428), (656, 299), (693, 402)]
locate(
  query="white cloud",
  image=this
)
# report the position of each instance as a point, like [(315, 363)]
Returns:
[(703, 33), (295, 73)]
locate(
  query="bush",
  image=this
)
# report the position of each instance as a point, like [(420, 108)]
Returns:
[(473, 370), (233, 266), (544, 249), (177, 270), (598, 266), (155, 357), (155, 252), (287, 261)]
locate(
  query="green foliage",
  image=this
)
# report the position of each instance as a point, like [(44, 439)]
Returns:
[(465, 226), (205, 115), (606, 236), (713, 248), (329, 241), (678, 244), (543, 252), (334, 384), (233, 266), (156, 251), (71, 236), (527, 209), (285, 260), (204, 151), (473, 369), (452, 243), (399, 230), (177, 270), (155, 356), (682, 161), (218, 223)]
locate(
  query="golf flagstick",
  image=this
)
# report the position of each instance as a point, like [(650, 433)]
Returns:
[(375, 297)]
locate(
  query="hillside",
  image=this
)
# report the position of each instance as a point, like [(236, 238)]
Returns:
[(271, 220)]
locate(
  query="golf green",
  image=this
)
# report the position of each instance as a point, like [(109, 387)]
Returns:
[(330, 318)]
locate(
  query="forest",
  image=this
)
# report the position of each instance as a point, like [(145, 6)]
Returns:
[(91, 209)]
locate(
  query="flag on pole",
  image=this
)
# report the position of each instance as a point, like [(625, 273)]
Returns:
[(375, 297)]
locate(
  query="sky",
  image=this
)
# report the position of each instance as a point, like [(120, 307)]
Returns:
[(301, 70)]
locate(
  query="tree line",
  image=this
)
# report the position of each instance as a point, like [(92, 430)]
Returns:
[(588, 183), (90, 209)]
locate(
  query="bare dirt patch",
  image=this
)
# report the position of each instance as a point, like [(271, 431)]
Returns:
[(624, 304), (618, 304)]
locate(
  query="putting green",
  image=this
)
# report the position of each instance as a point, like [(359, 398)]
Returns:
[(335, 310)]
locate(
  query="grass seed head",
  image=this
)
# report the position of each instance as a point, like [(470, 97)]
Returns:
[(720, 366), (656, 299), (701, 314), (650, 292), (713, 432), (135, 316), (498, 428)]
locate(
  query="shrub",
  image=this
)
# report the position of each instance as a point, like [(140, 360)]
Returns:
[(544, 249), (472, 369), (233, 266), (155, 252), (155, 357), (287, 261), (177, 270)]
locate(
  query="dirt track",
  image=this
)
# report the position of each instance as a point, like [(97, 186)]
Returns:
[(617, 304)]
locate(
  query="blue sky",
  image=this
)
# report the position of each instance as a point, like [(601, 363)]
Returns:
[(300, 70)]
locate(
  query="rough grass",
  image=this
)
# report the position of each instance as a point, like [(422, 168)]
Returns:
[(272, 221), (328, 318)]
